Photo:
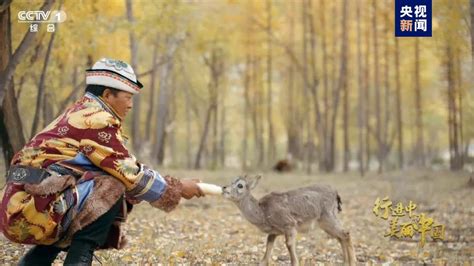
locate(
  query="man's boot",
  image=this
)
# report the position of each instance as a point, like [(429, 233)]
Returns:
[(80, 253)]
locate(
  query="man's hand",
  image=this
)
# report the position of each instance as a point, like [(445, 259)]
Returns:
[(190, 189)]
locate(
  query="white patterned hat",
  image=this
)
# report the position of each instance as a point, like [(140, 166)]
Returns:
[(114, 74)]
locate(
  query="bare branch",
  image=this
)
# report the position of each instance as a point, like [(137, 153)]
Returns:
[(5, 5), (161, 62), (374, 134), (278, 42), (391, 140), (70, 97), (7, 74)]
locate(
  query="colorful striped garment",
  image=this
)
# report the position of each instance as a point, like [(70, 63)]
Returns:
[(87, 137)]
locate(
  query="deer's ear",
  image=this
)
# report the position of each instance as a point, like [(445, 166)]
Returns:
[(254, 181)]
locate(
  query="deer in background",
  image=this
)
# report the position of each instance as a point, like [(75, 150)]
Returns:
[(290, 212)]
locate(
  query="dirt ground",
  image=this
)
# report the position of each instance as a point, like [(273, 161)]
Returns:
[(211, 231)]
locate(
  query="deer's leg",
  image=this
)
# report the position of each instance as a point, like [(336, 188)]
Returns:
[(331, 225), (268, 252), (344, 250), (350, 250), (290, 240)]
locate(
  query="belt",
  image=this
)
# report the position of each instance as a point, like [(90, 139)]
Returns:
[(31, 175), (26, 174), (64, 170)]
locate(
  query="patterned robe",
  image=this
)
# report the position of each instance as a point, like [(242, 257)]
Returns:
[(87, 138)]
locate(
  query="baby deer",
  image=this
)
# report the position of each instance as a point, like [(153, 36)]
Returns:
[(290, 212)]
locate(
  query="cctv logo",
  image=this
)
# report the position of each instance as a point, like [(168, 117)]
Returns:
[(34, 16), (39, 16)]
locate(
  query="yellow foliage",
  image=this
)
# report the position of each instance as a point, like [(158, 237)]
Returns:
[(238, 28)]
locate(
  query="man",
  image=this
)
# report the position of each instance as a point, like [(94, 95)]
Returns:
[(69, 187)]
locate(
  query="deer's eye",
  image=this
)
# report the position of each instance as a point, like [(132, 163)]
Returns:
[(240, 186)]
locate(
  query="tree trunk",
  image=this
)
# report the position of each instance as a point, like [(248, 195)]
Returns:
[(343, 79), (202, 142), (170, 128), (259, 118), (134, 63), (330, 138), (378, 118), (385, 141), (333, 48), (460, 109), (191, 108), (215, 124), (162, 115), (345, 118), (40, 98), (11, 130), (399, 105), (420, 147), (48, 109), (254, 112), (188, 127), (450, 89), (314, 86), (455, 161), (368, 102), (8, 70), (472, 37), (293, 150), (313, 89), (151, 99), (223, 134), (361, 103), (271, 137), (20, 87), (246, 111), (215, 64), (304, 15), (326, 108), (158, 152), (5, 5), (12, 138)]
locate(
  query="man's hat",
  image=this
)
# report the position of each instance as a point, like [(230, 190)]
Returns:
[(114, 74)]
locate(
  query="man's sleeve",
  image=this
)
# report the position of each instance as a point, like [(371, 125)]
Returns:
[(104, 146)]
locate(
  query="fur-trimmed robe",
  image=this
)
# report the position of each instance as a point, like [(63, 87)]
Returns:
[(107, 190), (88, 140)]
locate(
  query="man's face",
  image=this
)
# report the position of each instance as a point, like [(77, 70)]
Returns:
[(122, 102)]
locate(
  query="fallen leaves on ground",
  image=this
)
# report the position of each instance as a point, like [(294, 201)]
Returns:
[(211, 231)]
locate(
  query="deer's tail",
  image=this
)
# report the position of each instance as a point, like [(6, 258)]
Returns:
[(339, 202)]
